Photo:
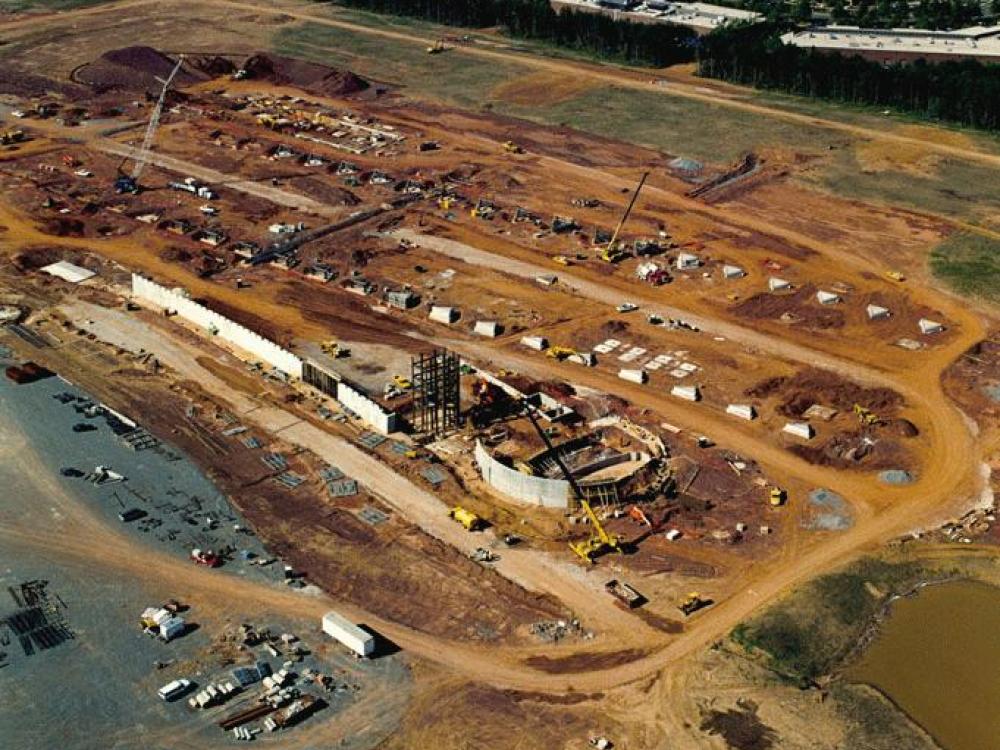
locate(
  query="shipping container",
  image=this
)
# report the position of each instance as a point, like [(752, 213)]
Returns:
[(346, 632)]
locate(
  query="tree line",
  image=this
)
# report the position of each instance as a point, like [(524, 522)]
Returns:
[(598, 34), (965, 92)]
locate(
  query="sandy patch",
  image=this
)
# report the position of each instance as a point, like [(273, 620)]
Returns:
[(541, 88)]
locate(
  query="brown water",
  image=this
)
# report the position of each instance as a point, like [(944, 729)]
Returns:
[(938, 658)]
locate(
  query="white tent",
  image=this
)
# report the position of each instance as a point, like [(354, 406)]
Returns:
[(827, 298), (743, 411), (686, 392), (929, 326), (802, 430), (67, 271), (775, 284), (733, 272), (686, 260), (876, 312), (488, 328)]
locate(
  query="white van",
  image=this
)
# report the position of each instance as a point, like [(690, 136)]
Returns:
[(174, 689)]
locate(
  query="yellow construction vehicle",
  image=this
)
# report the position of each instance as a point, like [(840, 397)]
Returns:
[(506, 373), (524, 468), (599, 542), (402, 383), (776, 497), (612, 253), (692, 603), (510, 147), (562, 260), (560, 352), (895, 276), (437, 47), (467, 518), (866, 416), (8, 137), (333, 349), (445, 203)]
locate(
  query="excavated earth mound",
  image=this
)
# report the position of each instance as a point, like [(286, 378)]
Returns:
[(311, 77), (135, 69)]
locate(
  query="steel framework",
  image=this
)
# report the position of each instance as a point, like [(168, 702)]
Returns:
[(435, 377)]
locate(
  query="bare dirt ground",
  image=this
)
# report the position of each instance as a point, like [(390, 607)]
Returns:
[(771, 231)]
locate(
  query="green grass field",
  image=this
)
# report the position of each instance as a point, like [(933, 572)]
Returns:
[(809, 633), (672, 124), (969, 264), (956, 189), (19, 6)]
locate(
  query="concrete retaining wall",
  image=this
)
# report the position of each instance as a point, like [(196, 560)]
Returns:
[(225, 329), (548, 493), (383, 421)]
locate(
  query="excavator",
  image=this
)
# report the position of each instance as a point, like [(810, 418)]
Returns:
[(600, 541), (612, 253), (866, 417)]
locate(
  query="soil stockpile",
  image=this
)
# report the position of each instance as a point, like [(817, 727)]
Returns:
[(311, 77), (135, 69)]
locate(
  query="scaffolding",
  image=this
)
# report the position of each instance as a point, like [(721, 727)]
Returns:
[(435, 377)]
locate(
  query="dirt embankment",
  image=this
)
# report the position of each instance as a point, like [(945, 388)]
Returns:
[(812, 386), (796, 309), (310, 77)]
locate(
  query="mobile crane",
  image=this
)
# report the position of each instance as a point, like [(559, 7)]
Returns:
[(611, 253), (129, 182)]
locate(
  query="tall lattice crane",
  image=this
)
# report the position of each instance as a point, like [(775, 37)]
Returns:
[(129, 182)]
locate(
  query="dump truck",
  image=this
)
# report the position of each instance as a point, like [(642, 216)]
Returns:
[(467, 518), (626, 596)]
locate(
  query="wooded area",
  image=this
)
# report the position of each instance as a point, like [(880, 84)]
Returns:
[(965, 92), (598, 34)]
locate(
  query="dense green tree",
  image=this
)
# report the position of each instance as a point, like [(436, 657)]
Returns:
[(966, 92)]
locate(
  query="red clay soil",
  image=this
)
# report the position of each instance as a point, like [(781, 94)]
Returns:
[(812, 386), (135, 69), (310, 77), (799, 305)]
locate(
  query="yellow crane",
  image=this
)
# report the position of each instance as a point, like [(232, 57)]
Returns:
[(600, 541), (612, 253)]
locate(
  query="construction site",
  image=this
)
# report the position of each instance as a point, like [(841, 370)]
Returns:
[(543, 411)]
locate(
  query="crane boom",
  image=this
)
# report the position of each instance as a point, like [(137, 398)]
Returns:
[(628, 210), (154, 121)]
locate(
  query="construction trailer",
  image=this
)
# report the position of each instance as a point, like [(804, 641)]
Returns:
[(338, 627)]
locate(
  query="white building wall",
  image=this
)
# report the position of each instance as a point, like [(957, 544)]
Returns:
[(227, 330), (548, 493)]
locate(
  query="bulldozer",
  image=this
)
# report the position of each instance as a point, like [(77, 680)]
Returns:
[(562, 260), (692, 603), (467, 518), (560, 352), (866, 417), (895, 276), (436, 48), (333, 349), (510, 147)]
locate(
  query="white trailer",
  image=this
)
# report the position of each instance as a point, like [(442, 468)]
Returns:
[(686, 392), (538, 343), (340, 628), (743, 411)]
